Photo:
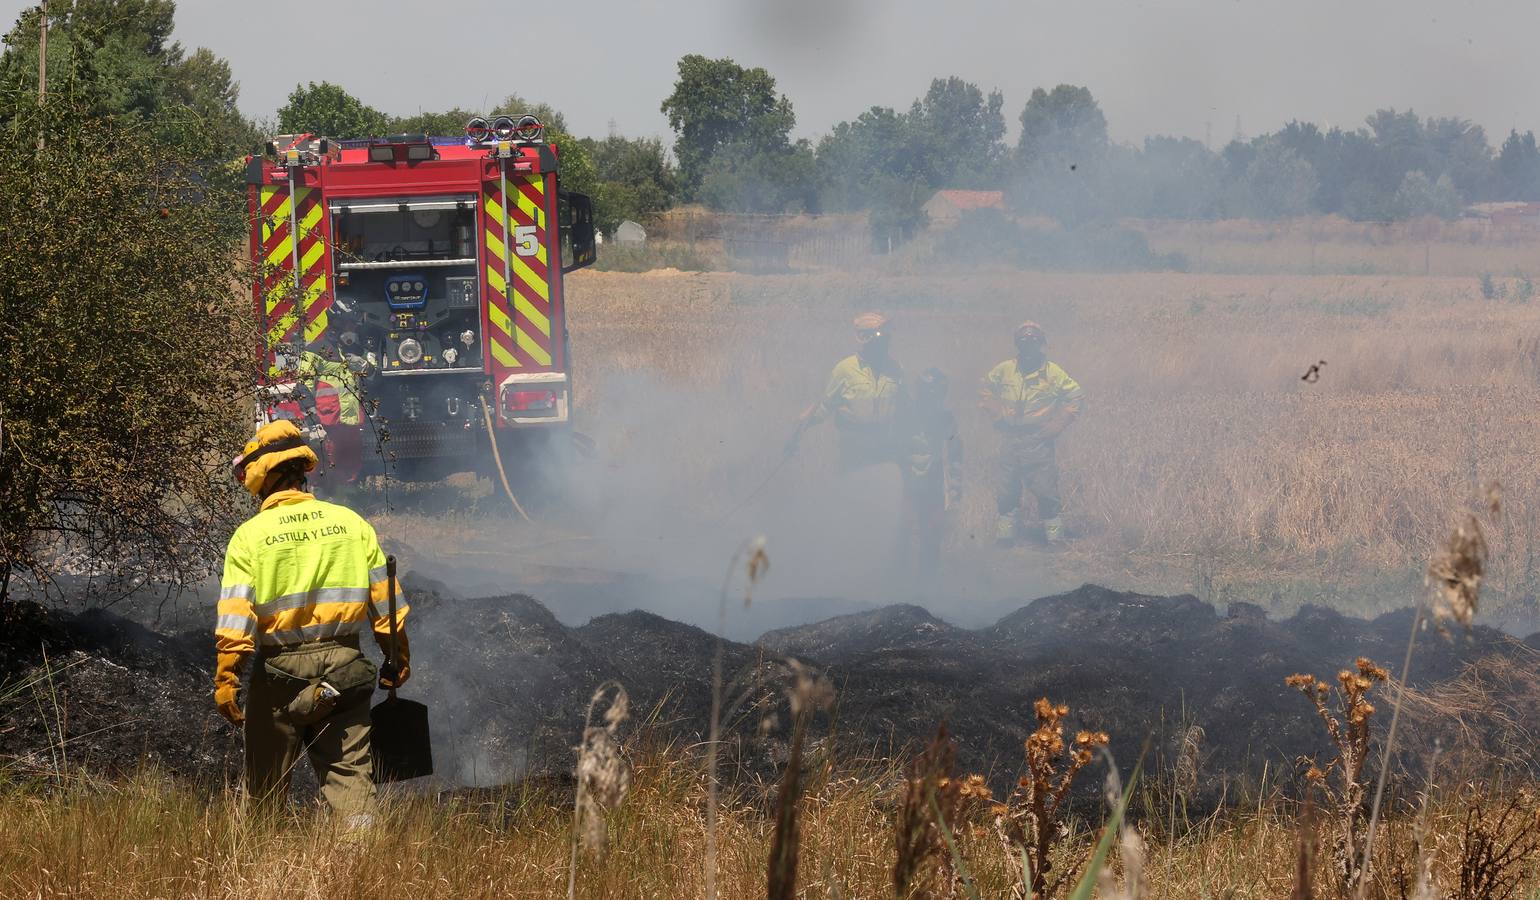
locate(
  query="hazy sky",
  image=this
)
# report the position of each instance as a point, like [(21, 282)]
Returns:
[(1177, 66)]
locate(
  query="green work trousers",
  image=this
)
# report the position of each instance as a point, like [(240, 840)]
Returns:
[(1027, 462), (338, 745)]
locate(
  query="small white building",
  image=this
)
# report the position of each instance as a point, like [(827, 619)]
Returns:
[(628, 232)]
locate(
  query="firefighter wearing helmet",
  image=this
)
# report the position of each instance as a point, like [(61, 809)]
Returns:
[(863, 396), (331, 374), (1031, 401), (303, 580)]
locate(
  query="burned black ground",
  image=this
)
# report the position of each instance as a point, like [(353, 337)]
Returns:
[(508, 684)]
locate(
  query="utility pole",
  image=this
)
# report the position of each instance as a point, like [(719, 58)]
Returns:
[(42, 61), (42, 52)]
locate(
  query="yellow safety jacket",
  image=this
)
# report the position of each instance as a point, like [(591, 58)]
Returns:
[(1025, 402), (859, 396), (324, 376), (302, 570)]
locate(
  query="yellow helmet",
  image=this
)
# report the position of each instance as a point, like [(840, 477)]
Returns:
[(275, 443)]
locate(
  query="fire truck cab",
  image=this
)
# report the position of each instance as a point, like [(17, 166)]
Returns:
[(410, 292)]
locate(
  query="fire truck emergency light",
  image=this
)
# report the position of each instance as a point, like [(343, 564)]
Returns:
[(382, 153), (477, 129), (504, 127), (529, 129)]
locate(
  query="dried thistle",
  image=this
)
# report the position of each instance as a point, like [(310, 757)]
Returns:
[(603, 778), (1455, 573), (1186, 770), (1498, 844), (1029, 821), (808, 693), (1349, 731), (933, 799)]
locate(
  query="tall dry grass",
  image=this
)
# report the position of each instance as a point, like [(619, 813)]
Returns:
[(1202, 441), (150, 837)]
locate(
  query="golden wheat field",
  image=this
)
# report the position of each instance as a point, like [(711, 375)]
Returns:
[(1205, 460)]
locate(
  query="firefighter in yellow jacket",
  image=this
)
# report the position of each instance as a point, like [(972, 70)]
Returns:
[(303, 580), (864, 395), (1031, 402)]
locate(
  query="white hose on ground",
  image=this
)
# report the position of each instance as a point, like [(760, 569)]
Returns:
[(486, 411)]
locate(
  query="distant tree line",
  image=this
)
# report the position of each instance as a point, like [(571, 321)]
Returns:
[(1396, 165), (733, 149)]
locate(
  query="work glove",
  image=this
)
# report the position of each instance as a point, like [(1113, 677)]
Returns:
[(393, 675), (227, 685), (229, 706)]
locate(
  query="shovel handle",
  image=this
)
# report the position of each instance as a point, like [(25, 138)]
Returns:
[(390, 589)]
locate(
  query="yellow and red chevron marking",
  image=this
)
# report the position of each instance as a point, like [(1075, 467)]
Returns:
[(520, 318), (280, 299)]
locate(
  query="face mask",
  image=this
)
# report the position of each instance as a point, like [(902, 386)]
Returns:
[(1030, 354)]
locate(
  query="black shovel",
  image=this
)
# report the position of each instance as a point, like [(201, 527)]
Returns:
[(399, 728)]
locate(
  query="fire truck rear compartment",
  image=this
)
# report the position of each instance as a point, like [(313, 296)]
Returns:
[(408, 270)]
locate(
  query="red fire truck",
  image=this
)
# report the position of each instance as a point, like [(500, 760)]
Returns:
[(410, 291)]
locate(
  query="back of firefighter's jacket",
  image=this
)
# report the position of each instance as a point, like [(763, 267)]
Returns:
[(302, 570)]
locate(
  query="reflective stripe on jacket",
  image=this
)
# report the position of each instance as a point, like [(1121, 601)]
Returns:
[(859, 395), (302, 570), (1025, 401)]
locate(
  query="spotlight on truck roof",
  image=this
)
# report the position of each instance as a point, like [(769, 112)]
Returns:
[(529, 129), (382, 153), (477, 129), (503, 128)]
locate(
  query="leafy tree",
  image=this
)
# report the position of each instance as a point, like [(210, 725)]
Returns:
[(741, 178), (1346, 170), (1169, 178), (636, 179), (1278, 182), (1420, 195), (329, 110), (1060, 128), (1400, 146), (549, 116), (719, 104), (1063, 141), (962, 128), (115, 447), (878, 145), (1518, 167), (1462, 152), (450, 123), (115, 58)]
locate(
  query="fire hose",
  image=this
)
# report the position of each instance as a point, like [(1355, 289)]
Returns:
[(497, 457)]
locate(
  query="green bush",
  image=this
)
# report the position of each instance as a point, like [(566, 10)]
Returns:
[(128, 344)]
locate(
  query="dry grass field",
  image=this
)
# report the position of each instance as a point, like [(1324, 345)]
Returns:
[(1204, 459), (149, 837), (1331, 245)]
